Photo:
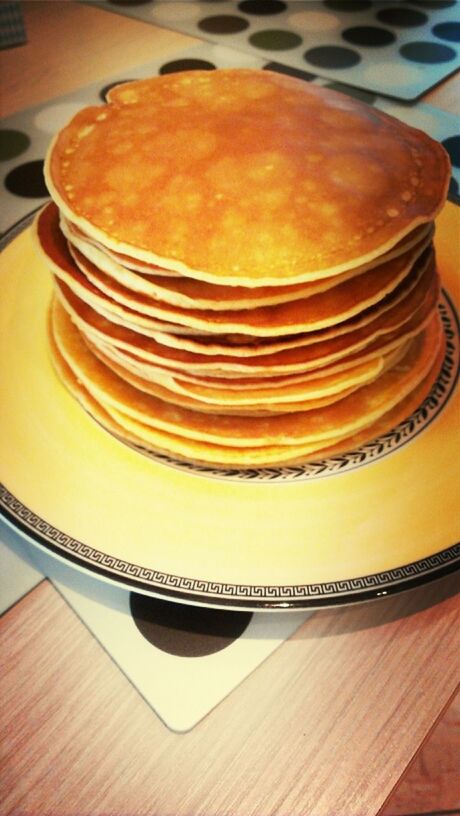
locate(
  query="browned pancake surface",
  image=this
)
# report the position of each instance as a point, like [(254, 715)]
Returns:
[(244, 176), (346, 416), (189, 449), (407, 317)]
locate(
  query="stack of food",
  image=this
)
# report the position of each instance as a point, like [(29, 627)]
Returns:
[(243, 264)]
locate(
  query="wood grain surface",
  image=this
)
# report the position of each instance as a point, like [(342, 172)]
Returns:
[(71, 45), (325, 727), (432, 781)]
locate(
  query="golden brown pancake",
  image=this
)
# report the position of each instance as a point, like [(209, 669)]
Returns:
[(206, 453), (142, 267), (162, 442), (407, 318), (153, 270), (243, 265), (177, 396), (300, 394), (244, 177), (54, 249), (349, 414), (59, 259), (194, 294), (336, 305)]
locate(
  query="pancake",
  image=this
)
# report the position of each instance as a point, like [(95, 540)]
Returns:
[(53, 247), (131, 264), (219, 456), (245, 345), (160, 441), (193, 294), (180, 397), (349, 300), (243, 264), (386, 423), (257, 178), (348, 415), (336, 305), (236, 387), (303, 395), (124, 345)]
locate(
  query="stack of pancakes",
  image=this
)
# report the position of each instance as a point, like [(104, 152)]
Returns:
[(243, 265)]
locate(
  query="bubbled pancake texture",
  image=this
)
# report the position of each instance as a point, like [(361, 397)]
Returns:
[(239, 175), (244, 268)]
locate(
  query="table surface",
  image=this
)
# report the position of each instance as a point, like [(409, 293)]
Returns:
[(326, 726)]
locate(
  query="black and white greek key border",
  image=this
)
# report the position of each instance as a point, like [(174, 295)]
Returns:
[(247, 595)]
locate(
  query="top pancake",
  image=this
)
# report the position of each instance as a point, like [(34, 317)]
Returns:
[(244, 177)]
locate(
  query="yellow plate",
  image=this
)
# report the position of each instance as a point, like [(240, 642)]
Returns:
[(376, 521)]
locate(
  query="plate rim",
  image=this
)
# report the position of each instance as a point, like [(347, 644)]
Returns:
[(246, 597), (310, 596)]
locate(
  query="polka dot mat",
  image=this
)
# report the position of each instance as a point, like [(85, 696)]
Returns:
[(182, 659), (25, 136), (396, 48)]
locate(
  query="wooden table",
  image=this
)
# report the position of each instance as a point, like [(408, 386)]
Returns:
[(325, 727)]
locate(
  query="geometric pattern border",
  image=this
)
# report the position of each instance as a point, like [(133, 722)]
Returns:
[(319, 594)]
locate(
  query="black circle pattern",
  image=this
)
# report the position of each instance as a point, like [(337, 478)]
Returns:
[(186, 631), (436, 5), (427, 52), (368, 36), (12, 143), (186, 65), (447, 31), (223, 24), (275, 40), (262, 7), (26, 180), (399, 16), (332, 56), (452, 145)]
